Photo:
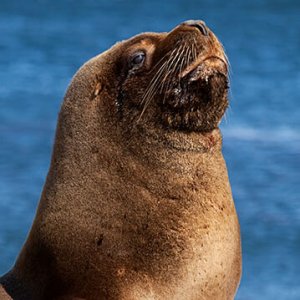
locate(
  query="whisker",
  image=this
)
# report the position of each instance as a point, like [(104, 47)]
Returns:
[(150, 91), (158, 73), (189, 56), (173, 70), (194, 50), (172, 60), (152, 87), (172, 63), (184, 58), (168, 75)]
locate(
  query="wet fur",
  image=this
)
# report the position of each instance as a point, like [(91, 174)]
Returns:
[(137, 203)]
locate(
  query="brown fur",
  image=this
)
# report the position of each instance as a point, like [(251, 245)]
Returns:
[(137, 203)]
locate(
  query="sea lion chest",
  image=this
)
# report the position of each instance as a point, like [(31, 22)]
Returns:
[(163, 228)]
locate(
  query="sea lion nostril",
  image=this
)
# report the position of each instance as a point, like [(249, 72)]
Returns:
[(200, 25), (202, 28)]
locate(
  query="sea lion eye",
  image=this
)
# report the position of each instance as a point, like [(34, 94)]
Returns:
[(137, 59)]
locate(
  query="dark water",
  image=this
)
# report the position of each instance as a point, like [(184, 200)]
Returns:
[(42, 43)]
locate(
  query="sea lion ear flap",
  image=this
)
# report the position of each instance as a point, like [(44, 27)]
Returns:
[(97, 87)]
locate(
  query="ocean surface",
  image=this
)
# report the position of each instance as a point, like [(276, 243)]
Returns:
[(43, 43)]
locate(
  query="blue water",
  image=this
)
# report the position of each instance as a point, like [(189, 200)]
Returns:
[(42, 44)]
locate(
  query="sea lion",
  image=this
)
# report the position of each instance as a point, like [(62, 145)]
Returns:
[(137, 202)]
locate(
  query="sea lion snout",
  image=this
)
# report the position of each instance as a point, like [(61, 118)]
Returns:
[(181, 82)]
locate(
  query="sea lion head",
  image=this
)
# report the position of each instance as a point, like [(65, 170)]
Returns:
[(177, 80)]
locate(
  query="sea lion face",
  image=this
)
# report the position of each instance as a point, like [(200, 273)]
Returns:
[(179, 80)]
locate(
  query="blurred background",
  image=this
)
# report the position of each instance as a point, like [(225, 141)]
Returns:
[(43, 43)]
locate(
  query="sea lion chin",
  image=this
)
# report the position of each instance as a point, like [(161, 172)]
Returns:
[(137, 202)]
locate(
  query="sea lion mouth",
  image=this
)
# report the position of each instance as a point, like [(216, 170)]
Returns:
[(195, 101), (198, 76)]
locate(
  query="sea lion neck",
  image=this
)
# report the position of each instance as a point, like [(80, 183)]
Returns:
[(154, 140), (159, 150)]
